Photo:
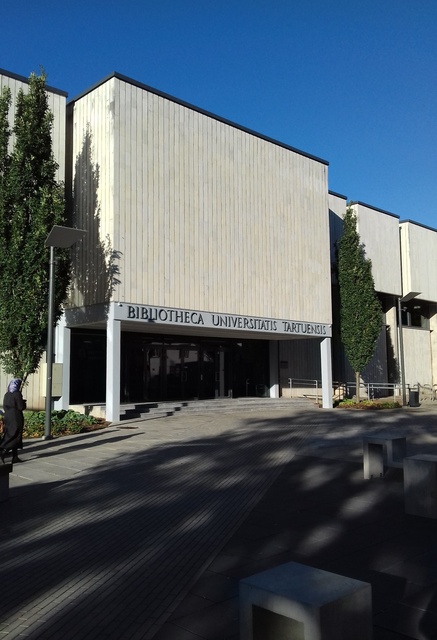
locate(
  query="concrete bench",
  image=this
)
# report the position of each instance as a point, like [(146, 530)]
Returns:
[(420, 485), (301, 602), (381, 451), (5, 470)]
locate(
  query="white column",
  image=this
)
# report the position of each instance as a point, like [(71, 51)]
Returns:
[(274, 368), (326, 365), (62, 354), (113, 345)]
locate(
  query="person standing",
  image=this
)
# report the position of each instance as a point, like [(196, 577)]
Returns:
[(13, 421)]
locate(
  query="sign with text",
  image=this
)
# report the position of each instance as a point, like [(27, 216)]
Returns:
[(165, 316)]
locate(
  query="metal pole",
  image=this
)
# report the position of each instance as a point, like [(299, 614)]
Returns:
[(401, 355), (49, 358)]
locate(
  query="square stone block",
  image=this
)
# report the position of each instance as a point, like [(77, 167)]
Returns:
[(300, 602), (381, 451), (420, 485)]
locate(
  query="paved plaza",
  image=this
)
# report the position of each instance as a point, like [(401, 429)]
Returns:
[(143, 530)]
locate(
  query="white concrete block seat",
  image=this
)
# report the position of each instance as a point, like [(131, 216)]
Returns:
[(381, 451), (420, 485), (304, 603)]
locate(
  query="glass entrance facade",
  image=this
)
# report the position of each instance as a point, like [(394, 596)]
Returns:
[(173, 369), (157, 368)]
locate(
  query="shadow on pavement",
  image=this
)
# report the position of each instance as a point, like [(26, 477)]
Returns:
[(111, 553)]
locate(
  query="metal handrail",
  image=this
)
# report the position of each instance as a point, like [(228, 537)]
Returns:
[(305, 383), (345, 388)]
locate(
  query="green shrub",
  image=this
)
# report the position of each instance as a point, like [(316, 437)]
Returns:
[(62, 423)]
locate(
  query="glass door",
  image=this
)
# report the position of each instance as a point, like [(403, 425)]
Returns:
[(215, 372), (181, 370)]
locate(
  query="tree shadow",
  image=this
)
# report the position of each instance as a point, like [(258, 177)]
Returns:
[(110, 553), (321, 512), (95, 266)]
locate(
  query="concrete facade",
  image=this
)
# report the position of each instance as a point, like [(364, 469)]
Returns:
[(215, 228), (207, 268), (402, 255)]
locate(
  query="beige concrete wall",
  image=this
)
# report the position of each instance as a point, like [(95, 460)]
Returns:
[(419, 250), (57, 105), (204, 215), (379, 232), (417, 356), (90, 135), (32, 392)]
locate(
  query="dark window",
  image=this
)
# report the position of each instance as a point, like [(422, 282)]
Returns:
[(415, 314), (88, 367)]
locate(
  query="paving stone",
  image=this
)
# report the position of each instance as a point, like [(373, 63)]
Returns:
[(118, 545)]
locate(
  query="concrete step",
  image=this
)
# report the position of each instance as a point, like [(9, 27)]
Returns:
[(157, 409)]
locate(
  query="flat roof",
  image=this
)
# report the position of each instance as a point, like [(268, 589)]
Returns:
[(15, 76), (418, 224), (369, 206), (145, 87), (337, 195)]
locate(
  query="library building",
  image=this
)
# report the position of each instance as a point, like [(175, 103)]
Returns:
[(206, 267)]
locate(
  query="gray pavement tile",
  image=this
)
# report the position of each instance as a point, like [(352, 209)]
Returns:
[(190, 604), (384, 634), (216, 622), (214, 586), (145, 521), (413, 623), (173, 632)]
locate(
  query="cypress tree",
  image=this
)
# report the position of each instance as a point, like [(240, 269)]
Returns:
[(360, 309), (31, 202), (5, 103)]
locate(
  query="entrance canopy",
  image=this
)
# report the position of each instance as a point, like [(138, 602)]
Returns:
[(223, 324)]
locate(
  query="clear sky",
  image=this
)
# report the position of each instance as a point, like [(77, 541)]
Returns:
[(353, 82)]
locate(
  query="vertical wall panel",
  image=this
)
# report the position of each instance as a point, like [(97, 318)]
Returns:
[(379, 232), (95, 143), (208, 216), (417, 370), (419, 249)]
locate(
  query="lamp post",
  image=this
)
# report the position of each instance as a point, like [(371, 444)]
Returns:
[(62, 238)]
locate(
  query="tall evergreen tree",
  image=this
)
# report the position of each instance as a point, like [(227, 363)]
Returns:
[(360, 309), (5, 103), (31, 202)]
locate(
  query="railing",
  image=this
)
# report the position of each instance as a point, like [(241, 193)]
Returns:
[(348, 389), (313, 387), (376, 389), (427, 391), (302, 383)]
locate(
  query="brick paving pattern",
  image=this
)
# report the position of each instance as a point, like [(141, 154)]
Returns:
[(144, 530), (108, 553)]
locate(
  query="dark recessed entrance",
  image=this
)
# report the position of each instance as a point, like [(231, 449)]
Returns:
[(88, 366), (173, 368), (157, 368)]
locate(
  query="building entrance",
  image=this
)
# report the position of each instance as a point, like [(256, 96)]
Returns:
[(173, 369), (157, 368)]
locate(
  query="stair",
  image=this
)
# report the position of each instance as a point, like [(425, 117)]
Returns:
[(161, 409)]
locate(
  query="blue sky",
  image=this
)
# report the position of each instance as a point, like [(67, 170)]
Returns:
[(351, 81)]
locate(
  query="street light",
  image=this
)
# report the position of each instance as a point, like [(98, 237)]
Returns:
[(407, 298), (62, 238)]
